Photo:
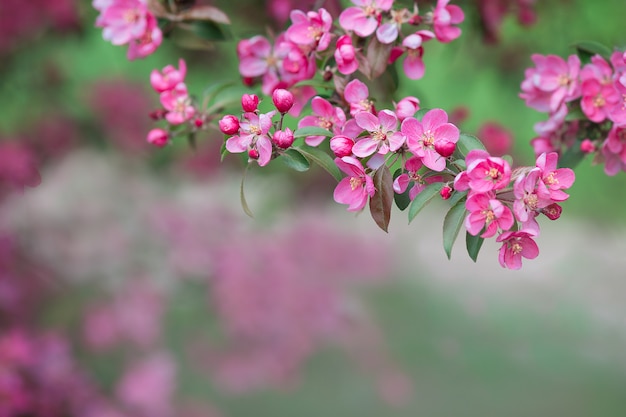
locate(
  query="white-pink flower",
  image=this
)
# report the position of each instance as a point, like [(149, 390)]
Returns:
[(355, 189), (365, 17), (123, 20), (169, 77), (253, 137), (178, 104), (356, 94), (445, 16), (488, 213), (516, 245), (326, 116), (345, 55), (383, 135), (310, 29)]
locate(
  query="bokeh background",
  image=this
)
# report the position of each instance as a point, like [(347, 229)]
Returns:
[(132, 283)]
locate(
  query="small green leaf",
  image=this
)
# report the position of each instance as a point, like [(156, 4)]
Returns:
[(242, 195), (423, 198), (381, 202), (205, 12), (311, 131), (295, 160), (452, 225), (468, 143), (420, 114), (208, 30), (587, 49), (223, 151), (191, 139), (402, 200), (571, 157), (322, 159), (473, 244)]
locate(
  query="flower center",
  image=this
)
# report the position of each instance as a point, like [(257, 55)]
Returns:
[(489, 215), (599, 101), (131, 16), (531, 201), (493, 173), (564, 80), (550, 179), (355, 182), (256, 130), (516, 248), (324, 123), (379, 136), (428, 139)]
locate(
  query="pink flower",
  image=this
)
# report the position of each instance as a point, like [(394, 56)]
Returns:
[(444, 17), (531, 195), (178, 105), (383, 135), (423, 137), (311, 29), (388, 32), (282, 99), (253, 137), (169, 77), (614, 151), (147, 43), (341, 145), (551, 83), (412, 167), (497, 140), (229, 124), (249, 102), (413, 65), (356, 94), (158, 137), (356, 188), (364, 19), (283, 138), (487, 212), (598, 99), (555, 179), (325, 116), (407, 107), (484, 173), (345, 55), (515, 246), (123, 21)]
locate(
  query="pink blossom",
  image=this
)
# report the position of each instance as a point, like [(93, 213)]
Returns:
[(365, 18), (345, 55), (413, 65), (326, 116), (301, 96), (341, 145), (444, 17), (147, 43), (388, 32), (412, 166), (484, 173), (158, 137), (253, 136), (355, 189), (598, 99), (552, 82), (357, 96), (497, 139), (311, 29), (407, 107), (249, 102), (229, 124), (614, 151), (169, 77), (515, 246), (597, 69), (383, 135), (283, 138), (178, 105), (555, 179), (282, 99), (123, 21), (485, 211), (531, 195), (423, 137)]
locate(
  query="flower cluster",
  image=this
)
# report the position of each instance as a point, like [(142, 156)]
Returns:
[(129, 22), (177, 104), (586, 106), (495, 205)]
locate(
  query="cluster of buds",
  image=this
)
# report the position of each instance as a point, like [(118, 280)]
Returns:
[(586, 106), (503, 201), (129, 22), (251, 132), (178, 108)]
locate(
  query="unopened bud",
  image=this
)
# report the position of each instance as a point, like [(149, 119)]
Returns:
[(445, 148), (283, 138), (158, 137), (407, 107), (341, 146), (229, 124), (553, 211), (249, 102), (587, 146), (198, 123), (158, 114), (253, 154), (446, 192), (283, 100)]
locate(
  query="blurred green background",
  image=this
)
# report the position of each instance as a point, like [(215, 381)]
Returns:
[(475, 339)]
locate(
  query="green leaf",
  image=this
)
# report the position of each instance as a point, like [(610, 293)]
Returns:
[(423, 198), (295, 160), (312, 131), (322, 159), (571, 157), (205, 12), (452, 225), (420, 114), (191, 139), (208, 30), (468, 143), (381, 202), (473, 244), (242, 195), (223, 151), (402, 200), (587, 49)]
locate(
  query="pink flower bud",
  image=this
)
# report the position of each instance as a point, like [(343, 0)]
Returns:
[(249, 102), (283, 100), (553, 211), (198, 123), (229, 124), (253, 154), (445, 148), (158, 114), (158, 137), (341, 146), (587, 146), (283, 138), (407, 107), (446, 192)]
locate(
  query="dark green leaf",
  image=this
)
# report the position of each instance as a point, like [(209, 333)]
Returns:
[(322, 159), (423, 198), (420, 114), (312, 131), (242, 196), (587, 49), (452, 225), (209, 31), (473, 244), (571, 157), (223, 151), (205, 12), (381, 202), (402, 200), (191, 139), (295, 160), (468, 143)]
